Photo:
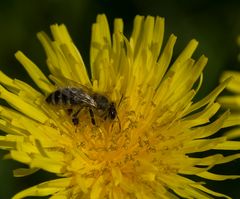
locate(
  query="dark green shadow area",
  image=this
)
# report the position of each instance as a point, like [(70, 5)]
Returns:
[(215, 24)]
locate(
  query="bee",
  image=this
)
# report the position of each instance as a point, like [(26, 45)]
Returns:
[(82, 97)]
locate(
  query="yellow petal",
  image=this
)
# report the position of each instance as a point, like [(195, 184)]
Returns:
[(21, 172), (35, 73), (232, 102), (228, 145), (47, 164), (206, 190), (43, 189), (97, 188), (23, 106), (20, 156), (7, 145), (234, 84), (212, 176), (117, 175), (186, 53), (209, 98)]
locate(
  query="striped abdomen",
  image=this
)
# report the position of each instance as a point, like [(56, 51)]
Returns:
[(59, 97), (70, 96)]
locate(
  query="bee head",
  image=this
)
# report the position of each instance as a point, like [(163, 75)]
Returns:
[(112, 112), (105, 107)]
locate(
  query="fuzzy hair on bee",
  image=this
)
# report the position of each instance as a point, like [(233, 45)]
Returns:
[(81, 97)]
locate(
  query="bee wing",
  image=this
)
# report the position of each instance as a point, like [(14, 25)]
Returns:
[(65, 82), (86, 98)]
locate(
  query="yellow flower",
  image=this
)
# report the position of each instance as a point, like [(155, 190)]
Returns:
[(232, 101), (146, 151)]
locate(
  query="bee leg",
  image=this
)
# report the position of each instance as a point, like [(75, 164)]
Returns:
[(75, 119), (119, 123), (69, 111), (92, 117)]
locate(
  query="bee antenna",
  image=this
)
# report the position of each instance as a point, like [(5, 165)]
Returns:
[(119, 123), (120, 101)]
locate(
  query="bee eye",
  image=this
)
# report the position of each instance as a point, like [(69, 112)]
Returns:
[(113, 115), (112, 112)]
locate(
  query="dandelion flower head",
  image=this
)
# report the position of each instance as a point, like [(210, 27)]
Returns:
[(145, 152), (231, 99)]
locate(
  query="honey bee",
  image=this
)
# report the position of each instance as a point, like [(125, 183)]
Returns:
[(81, 97)]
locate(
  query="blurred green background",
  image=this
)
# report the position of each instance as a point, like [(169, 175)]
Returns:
[(215, 24)]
